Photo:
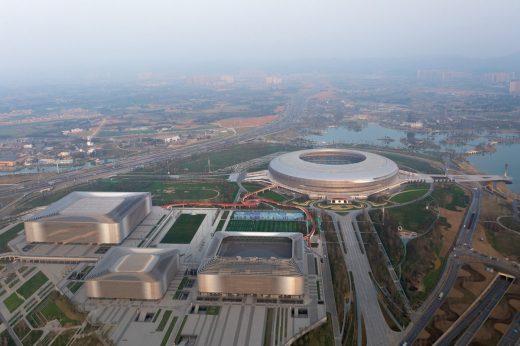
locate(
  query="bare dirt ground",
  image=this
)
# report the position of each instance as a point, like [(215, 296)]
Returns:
[(500, 318), (454, 218), (484, 245), (471, 282), (246, 122)]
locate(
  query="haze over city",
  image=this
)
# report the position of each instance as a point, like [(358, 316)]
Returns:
[(64, 39), (259, 173)]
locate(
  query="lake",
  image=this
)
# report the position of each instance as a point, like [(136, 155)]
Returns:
[(371, 133)]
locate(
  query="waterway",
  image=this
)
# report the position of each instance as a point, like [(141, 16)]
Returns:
[(372, 134)]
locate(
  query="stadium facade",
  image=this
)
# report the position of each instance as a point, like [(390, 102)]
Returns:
[(133, 273), (89, 218), (334, 174), (254, 263)]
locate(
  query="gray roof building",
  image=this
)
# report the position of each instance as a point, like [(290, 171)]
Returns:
[(89, 217), (133, 273), (257, 263)]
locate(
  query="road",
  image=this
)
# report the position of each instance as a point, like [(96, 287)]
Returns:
[(465, 236), (470, 322), (293, 112), (378, 332), (512, 335), (501, 265), (328, 291), (449, 275)]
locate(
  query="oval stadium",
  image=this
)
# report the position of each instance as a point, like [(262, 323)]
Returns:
[(334, 173)]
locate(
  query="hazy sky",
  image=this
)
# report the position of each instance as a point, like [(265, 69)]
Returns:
[(53, 36)]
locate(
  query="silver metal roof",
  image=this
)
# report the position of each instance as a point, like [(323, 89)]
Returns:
[(91, 206), (134, 264), (372, 168)]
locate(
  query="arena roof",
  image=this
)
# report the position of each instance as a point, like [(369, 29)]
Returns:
[(254, 253), (90, 206), (134, 264)]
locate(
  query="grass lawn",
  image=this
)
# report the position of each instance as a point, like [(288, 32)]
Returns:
[(74, 286), (163, 192), (164, 320), (413, 217), (12, 302), (414, 163), (32, 337), (272, 195), (505, 242), (55, 307), (511, 223), (64, 338), (231, 156), (51, 311), (32, 285), (431, 279), (450, 196), (252, 186), (169, 331), (184, 228), (8, 236), (407, 196), (321, 336), (213, 310), (266, 226)]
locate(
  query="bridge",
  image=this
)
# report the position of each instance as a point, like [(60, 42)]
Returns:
[(472, 178)]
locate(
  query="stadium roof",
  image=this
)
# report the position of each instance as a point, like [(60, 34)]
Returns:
[(334, 165)]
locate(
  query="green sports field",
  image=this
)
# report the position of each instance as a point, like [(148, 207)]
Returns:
[(184, 228)]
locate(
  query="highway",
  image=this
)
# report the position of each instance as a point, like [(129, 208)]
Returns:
[(378, 332), (293, 112), (465, 236), (512, 334), (449, 275), (470, 322)]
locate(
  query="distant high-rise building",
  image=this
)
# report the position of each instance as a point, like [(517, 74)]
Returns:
[(441, 75), (273, 80), (500, 77), (227, 79), (514, 87)]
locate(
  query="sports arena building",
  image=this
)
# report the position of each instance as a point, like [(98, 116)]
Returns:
[(334, 174), (89, 218), (254, 263), (133, 273)]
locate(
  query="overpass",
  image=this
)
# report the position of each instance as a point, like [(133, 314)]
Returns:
[(14, 257)]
